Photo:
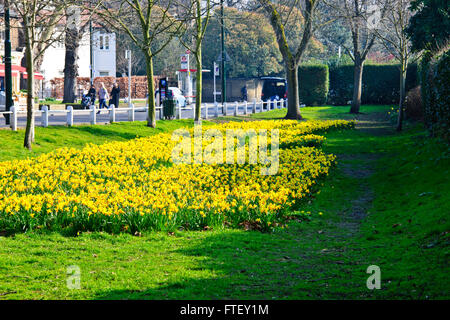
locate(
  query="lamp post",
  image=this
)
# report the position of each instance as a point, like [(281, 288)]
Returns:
[(8, 76), (224, 85), (90, 53)]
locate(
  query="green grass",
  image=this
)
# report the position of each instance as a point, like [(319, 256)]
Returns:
[(50, 138), (323, 113), (386, 203)]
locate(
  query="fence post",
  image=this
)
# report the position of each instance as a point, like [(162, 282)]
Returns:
[(14, 118), (254, 106), (262, 106), (216, 112), (178, 111), (131, 113), (225, 107), (236, 106), (282, 104), (206, 111), (70, 116), (245, 107), (112, 113), (93, 114), (44, 116)]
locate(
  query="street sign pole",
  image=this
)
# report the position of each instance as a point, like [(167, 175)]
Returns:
[(128, 56), (215, 91), (188, 79)]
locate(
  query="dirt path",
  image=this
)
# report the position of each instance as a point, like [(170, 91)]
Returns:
[(361, 166)]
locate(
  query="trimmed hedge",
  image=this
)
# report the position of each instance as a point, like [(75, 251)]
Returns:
[(435, 84), (380, 85), (313, 84)]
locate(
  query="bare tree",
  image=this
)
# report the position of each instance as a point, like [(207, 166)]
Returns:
[(361, 17), (196, 17), (391, 32), (124, 43), (39, 20), (154, 20), (279, 16)]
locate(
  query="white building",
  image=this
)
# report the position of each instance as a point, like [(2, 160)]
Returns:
[(104, 57)]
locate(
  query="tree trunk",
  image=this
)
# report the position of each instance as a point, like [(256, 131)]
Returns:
[(293, 111), (402, 96), (29, 132), (357, 85), (198, 94), (151, 119), (72, 43)]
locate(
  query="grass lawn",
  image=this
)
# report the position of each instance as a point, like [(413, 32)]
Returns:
[(386, 203), (50, 138)]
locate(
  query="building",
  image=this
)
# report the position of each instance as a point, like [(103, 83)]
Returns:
[(103, 56), (103, 51)]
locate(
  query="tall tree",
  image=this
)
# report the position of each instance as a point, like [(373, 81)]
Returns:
[(429, 28), (251, 44), (40, 20), (391, 32), (196, 17), (279, 17), (154, 20), (77, 23), (361, 17)]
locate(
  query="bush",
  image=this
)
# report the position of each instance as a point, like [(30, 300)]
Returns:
[(435, 83), (313, 84), (413, 104), (381, 83)]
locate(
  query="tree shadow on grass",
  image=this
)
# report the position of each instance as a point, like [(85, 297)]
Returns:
[(252, 265), (105, 131)]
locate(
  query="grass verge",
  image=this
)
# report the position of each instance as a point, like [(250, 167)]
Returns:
[(386, 204)]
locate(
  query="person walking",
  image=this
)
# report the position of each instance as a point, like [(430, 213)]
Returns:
[(91, 93), (244, 93), (115, 95), (102, 97)]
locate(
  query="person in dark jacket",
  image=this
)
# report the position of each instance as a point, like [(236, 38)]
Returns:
[(91, 94), (115, 95), (244, 93)]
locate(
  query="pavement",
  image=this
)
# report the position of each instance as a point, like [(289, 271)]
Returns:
[(121, 116)]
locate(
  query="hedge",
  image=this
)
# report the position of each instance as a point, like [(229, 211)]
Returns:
[(313, 84), (381, 84), (435, 84)]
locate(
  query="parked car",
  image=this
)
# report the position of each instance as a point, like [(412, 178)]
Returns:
[(177, 96), (274, 88)]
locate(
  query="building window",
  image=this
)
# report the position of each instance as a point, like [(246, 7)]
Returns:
[(60, 43), (104, 42)]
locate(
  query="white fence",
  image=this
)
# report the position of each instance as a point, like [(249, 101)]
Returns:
[(228, 108)]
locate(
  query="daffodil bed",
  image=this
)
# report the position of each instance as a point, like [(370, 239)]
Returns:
[(134, 186)]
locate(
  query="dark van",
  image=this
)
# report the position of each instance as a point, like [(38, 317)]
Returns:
[(273, 87)]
